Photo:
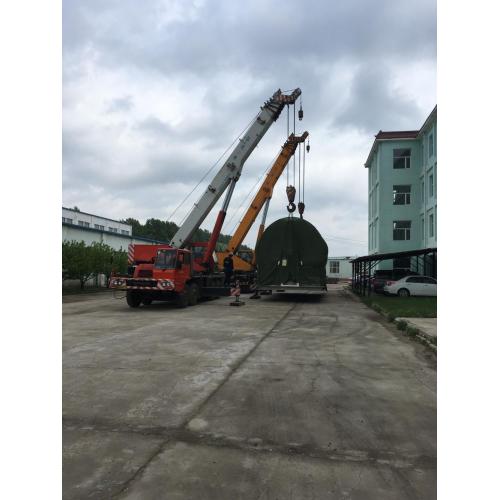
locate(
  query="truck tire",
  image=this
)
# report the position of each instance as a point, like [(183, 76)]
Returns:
[(193, 293), (181, 300), (134, 298)]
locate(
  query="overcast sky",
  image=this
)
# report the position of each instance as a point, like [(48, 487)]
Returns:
[(155, 91)]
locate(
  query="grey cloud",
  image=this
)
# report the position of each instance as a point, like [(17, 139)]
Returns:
[(257, 36), (155, 127), (120, 104), (372, 104), (344, 55)]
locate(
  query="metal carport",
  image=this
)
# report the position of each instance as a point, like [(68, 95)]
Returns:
[(423, 261)]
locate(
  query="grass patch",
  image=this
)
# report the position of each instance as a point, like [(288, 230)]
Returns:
[(409, 307)]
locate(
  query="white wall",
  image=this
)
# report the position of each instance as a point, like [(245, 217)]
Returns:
[(115, 241), (94, 220), (345, 267)]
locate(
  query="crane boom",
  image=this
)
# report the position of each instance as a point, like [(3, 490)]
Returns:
[(265, 192), (231, 169)]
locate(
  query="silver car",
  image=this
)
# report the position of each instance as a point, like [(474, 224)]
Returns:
[(412, 285)]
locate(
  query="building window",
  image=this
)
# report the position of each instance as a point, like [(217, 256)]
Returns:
[(98, 226), (422, 227), (401, 195), (431, 186), (423, 192), (124, 232), (334, 267), (113, 229), (431, 225), (401, 229), (431, 145), (67, 221), (83, 223), (401, 158)]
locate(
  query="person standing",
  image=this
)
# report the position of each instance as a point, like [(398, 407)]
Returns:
[(228, 269)]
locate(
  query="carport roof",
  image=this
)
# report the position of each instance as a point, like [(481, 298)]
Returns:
[(394, 255)]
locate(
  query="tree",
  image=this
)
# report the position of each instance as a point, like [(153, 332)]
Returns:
[(156, 229), (77, 262), (101, 256), (120, 261)]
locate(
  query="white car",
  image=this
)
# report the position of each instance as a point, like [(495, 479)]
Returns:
[(412, 285)]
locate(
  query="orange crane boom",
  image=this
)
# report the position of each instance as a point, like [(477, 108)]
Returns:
[(263, 195)]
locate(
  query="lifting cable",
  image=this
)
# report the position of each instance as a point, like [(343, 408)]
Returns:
[(287, 136), (300, 192), (294, 135), (304, 173), (209, 170)]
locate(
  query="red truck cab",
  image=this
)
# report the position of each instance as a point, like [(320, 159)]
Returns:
[(165, 273)]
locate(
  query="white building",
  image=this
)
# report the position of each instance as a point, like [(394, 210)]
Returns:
[(83, 219), (89, 228), (338, 268)]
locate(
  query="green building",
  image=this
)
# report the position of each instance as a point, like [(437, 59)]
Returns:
[(402, 202)]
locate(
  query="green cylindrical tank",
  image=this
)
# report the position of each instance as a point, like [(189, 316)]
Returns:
[(291, 252)]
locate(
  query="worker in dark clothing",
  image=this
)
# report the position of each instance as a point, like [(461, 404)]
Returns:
[(228, 269)]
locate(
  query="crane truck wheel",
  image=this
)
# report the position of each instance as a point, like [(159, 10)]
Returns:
[(181, 300), (193, 293), (147, 302), (134, 298)]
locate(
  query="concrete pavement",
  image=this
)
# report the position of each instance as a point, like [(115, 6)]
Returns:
[(427, 326), (281, 398)]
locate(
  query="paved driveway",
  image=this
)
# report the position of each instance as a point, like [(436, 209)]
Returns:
[(280, 398)]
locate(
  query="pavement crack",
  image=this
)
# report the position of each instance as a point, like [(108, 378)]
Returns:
[(138, 473), (235, 367), (172, 435)]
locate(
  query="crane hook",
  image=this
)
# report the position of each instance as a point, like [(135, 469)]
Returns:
[(308, 147), (301, 112), (301, 207)]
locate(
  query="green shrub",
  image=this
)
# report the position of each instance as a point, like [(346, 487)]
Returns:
[(391, 317), (402, 325), (412, 331)]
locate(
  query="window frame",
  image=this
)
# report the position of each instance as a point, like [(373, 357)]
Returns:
[(405, 194), (332, 264), (406, 230), (431, 185), (431, 225), (405, 157)]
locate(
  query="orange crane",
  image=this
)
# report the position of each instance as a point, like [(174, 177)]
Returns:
[(181, 271), (244, 260)]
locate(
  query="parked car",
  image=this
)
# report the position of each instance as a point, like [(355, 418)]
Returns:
[(412, 285), (382, 276)]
